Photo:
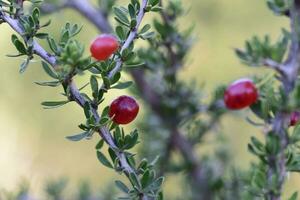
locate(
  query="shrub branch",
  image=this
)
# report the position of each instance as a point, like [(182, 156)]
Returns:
[(277, 163), (75, 93)]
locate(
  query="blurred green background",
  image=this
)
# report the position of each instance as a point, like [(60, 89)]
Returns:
[(32, 140)]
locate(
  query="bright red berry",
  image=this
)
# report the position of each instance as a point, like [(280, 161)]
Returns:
[(294, 118), (240, 94), (123, 110), (103, 47)]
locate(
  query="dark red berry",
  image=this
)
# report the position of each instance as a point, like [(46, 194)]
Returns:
[(123, 110), (103, 47), (294, 118), (240, 94)]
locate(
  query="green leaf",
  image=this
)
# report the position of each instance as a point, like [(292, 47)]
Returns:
[(133, 23), (145, 29), (145, 180), (112, 155), (294, 196), (42, 35), (78, 137), (131, 140), (115, 78), (46, 24), (87, 110), (121, 15), (65, 37), (118, 137), (132, 11), (131, 160), (49, 70), (296, 134), (160, 196), (94, 86), (122, 186), (14, 56), (132, 66), (121, 32), (143, 164), (49, 83), (122, 22), (156, 9), (100, 144), (104, 120), (102, 158), (147, 35), (106, 82), (128, 55), (133, 179), (36, 15), (105, 111), (20, 46), (53, 46), (253, 150), (272, 143), (257, 144), (153, 2), (122, 85), (75, 30), (24, 65), (14, 38), (54, 104), (157, 183)]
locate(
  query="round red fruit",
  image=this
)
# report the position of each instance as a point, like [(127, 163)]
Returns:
[(123, 110), (294, 118), (103, 47), (240, 94)]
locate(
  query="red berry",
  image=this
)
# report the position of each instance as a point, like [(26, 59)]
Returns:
[(240, 94), (103, 47), (294, 118), (123, 110)]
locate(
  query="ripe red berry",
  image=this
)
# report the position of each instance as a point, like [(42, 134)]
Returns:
[(123, 110), (294, 118), (240, 94), (103, 47)]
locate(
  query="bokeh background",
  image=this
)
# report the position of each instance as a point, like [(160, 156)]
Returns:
[(32, 140)]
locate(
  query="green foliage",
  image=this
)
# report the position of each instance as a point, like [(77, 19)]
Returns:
[(180, 116), (257, 50), (58, 189), (280, 7), (70, 61), (30, 24), (182, 107), (22, 192), (54, 188), (279, 153)]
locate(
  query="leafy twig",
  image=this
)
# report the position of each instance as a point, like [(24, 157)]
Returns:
[(76, 95)]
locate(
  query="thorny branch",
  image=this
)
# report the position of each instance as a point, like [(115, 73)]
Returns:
[(290, 69), (74, 91)]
